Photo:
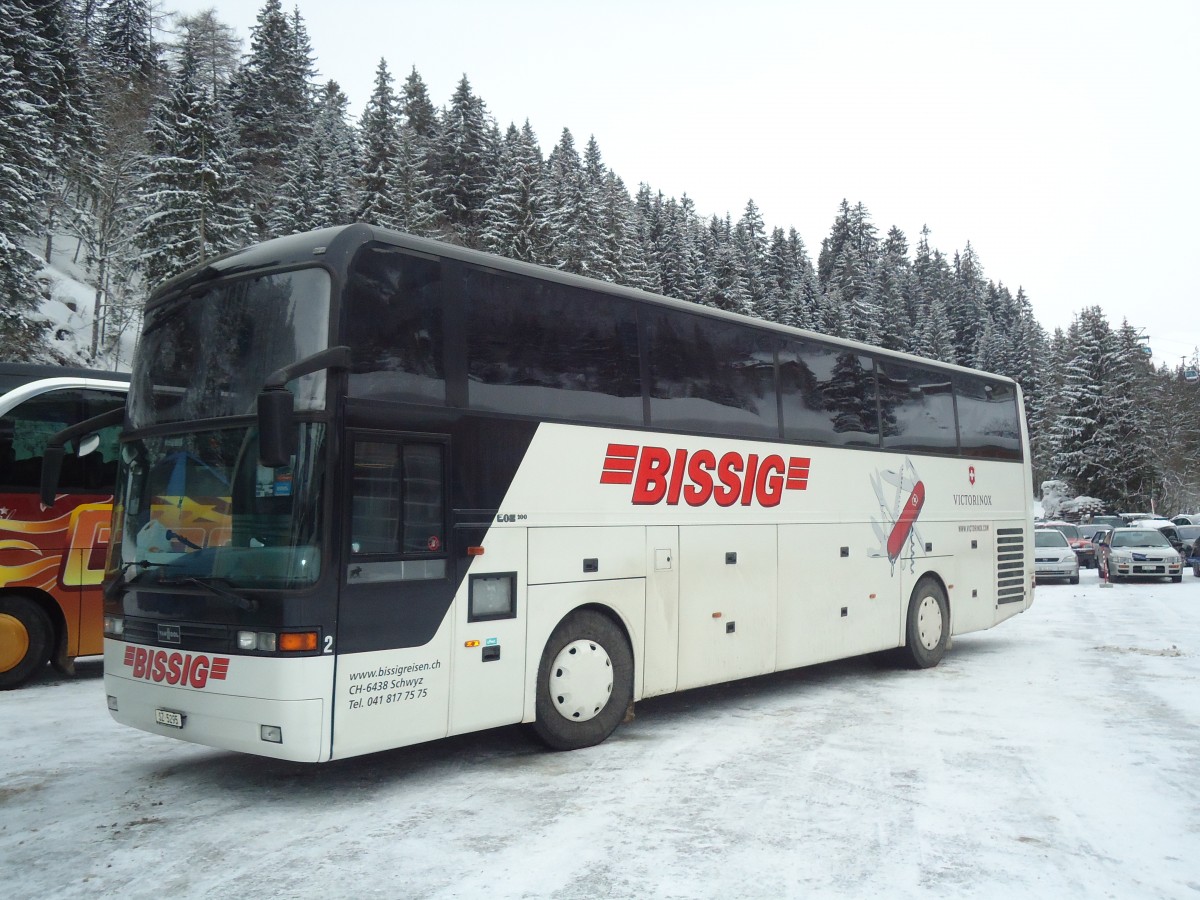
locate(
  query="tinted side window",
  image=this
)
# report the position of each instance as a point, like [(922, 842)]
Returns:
[(828, 395), (916, 408), (25, 430), (544, 349), (708, 375), (398, 499), (987, 418), (394, 326)]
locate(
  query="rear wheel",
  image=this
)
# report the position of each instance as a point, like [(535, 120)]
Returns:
[(585, 682), (25, 635), (928, 627)]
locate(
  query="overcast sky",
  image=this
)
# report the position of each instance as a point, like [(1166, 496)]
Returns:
[(1058, 138)]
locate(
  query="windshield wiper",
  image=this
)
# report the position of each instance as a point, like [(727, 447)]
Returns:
[(110, 588), (213, 587)]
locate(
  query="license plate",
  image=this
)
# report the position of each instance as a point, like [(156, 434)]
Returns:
[(167, 717)]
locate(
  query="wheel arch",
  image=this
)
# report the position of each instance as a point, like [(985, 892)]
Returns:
[(936, 576), (623, 601)]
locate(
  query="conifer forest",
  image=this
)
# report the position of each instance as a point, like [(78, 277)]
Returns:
[(147, 146)]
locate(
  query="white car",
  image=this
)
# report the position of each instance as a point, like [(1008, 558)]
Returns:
[(1053, 557)]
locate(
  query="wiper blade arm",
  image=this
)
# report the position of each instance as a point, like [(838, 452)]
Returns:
[(111, 586), (212, 587)]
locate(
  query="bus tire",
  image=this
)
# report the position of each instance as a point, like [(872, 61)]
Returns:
[(928, 627), (25, 636), (585, 682)]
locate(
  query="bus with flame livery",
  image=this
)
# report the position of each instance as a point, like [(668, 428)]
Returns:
[(377, 490), (52, 559)]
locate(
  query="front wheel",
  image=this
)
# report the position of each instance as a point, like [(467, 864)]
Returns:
[(585, 682), (928, 627), (25, 634)]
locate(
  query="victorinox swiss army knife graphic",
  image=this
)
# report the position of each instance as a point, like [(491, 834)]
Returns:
[(900, 504)]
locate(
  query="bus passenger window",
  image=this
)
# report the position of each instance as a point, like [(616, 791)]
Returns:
[(711, 376), (987, 418), (916, 407)]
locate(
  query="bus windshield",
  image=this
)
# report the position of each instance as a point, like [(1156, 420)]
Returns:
[(206, 354), (198, 505)]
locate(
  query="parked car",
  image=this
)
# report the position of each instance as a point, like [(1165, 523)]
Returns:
[(1099, 535), (1053, 557), (1110, 521), (1189, 535), (1186, 519), (1187, 538), (1084, 548), (1139, 553)]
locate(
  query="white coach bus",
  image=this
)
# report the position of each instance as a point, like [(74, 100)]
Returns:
[(377, 490)]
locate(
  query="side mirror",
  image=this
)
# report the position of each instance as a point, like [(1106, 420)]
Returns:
[(55, 450), (276, 435)]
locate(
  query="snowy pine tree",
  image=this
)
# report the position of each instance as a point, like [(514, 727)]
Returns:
[(272, 110), (464, 161), (515, 213), (1084, 433), (187, 202), (572, 217), (25, 160)]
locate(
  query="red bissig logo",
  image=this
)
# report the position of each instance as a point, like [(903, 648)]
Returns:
[(658, 474), (175, 667)]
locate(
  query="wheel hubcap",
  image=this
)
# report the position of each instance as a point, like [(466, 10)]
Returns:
[(581, 680), (929, 622), (14, 642)]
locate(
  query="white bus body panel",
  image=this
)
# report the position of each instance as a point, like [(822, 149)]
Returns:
[(824, 573), (229, 707), (392, 698), (660, 669), (728, 603), (488, 677), (833, 605)]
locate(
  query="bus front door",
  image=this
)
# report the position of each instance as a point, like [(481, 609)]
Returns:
[(394, 628)]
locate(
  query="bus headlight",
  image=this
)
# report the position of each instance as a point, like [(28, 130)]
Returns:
[(257, 640), (114, 626)]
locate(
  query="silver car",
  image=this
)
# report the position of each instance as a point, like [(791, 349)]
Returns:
[(1053, 557), (1139, 553)]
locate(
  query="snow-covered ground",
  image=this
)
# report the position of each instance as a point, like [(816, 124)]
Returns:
[(1055, 756)]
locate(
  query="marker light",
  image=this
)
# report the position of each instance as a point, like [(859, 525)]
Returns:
[(114, 626), (295, 642)]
